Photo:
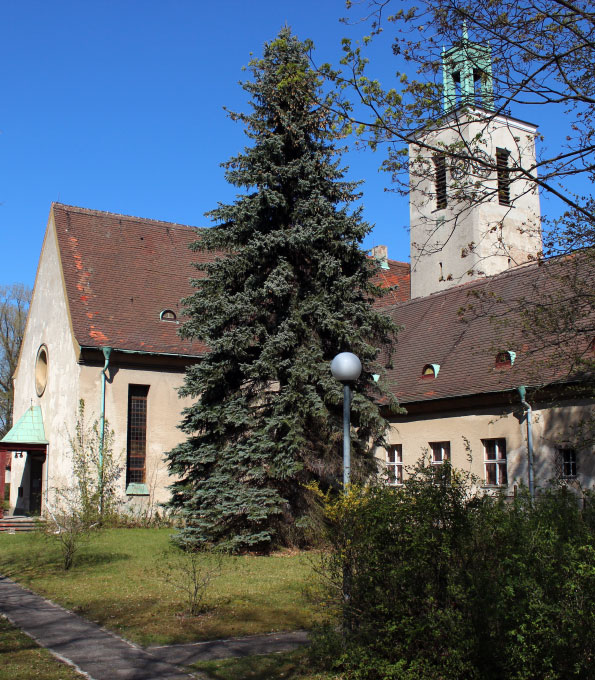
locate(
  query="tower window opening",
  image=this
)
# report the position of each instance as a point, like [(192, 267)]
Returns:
[(440, 180), (456, 77), (478, 84), (503, 170)]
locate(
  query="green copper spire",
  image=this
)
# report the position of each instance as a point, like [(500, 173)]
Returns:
[(467, 75)]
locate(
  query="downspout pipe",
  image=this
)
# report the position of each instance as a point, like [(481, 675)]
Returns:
[(106, 353), (522, 390)]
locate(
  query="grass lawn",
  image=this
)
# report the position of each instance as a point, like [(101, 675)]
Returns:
[(117, 581), (22, 658), (290, 666)]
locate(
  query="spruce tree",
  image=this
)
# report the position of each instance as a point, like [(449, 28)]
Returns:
[(288, 288)]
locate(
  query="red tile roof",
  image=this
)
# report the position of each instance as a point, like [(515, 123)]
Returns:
[(396, 280), (462, 330), (121, 272)]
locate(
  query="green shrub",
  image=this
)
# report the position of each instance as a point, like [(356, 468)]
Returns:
[(434, 581)]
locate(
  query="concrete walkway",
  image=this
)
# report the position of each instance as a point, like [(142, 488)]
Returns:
[(184, 655), (102, 655)]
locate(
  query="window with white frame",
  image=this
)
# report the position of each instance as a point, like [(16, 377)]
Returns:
[(394, 464), (440, 452), (567, 463), (494, 458)]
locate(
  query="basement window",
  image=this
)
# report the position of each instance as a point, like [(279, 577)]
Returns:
[(168, 315)]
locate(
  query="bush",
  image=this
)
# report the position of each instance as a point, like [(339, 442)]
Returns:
[(90, 501), (68, 524), (443, 583), (190, 571), (96, 471)]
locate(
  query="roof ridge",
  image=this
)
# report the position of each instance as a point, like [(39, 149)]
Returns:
[(98, 213), (391, 262), (513, 271), (405, 264)]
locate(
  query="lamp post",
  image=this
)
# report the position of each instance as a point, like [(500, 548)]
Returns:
[(346, 368)]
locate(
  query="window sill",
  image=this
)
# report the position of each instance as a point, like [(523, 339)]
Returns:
[(136, 489)]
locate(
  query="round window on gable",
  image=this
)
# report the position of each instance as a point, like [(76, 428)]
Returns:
[(168, 315), (41, 370)]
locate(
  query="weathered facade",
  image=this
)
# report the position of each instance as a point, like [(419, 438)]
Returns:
[(103, 282), (106, 302), (468, 357)]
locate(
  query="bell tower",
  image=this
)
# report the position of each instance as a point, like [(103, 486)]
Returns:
[(474, 208)]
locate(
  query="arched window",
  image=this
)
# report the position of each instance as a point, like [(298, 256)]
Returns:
[(430, 371), (168, 315)]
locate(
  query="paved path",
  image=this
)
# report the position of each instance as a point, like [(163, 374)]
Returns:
[(184, 655), (102, 655)]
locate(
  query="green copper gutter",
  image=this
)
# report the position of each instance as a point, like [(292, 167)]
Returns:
[(522, 390), (106, 353), (141, 352)]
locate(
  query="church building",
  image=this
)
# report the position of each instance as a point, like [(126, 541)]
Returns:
[(483, 387)]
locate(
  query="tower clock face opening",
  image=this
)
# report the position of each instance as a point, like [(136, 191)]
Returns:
[(478, 164)]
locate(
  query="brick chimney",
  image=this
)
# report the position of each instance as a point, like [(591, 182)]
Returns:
[(381, 254)]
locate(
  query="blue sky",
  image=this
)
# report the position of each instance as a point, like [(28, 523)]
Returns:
[(118, 105)]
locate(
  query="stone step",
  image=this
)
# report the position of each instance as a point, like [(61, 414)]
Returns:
[(19, 523)]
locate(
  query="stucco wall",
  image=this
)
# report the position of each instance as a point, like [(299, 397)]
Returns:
[(476, 236), (48, 323), (553, 426), (164, 409)]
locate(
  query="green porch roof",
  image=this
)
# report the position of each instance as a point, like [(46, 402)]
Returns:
[(28, 430)]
